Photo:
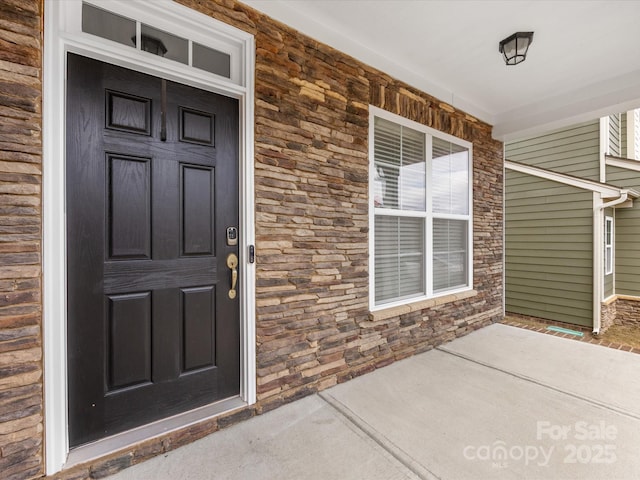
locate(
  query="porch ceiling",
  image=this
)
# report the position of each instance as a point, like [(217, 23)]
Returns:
[(584, 61)]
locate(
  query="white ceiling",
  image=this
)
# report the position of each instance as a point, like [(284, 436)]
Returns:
[(584, 61)]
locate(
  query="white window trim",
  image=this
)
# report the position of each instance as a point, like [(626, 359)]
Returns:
[(63, 35), (429, 132), (608, 268)]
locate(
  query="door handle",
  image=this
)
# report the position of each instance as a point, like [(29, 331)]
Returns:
[(232, 263)]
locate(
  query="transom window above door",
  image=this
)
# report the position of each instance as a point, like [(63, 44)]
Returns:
[(160, 35), (420, 197), (117, 28)]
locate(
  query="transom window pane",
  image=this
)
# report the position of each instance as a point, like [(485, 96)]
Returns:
[(108, 25), (211, 60), (399, 177), (164, 44), (450, 170), (399, 259)]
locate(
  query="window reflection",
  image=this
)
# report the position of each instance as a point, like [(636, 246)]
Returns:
[(211, 60), (450, 171), (175, 48), (107, 25), (400, 168)]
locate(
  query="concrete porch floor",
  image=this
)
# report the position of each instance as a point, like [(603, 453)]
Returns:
[(500, 403)]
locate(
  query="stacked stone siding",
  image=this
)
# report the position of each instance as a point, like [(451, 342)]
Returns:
[(312, 162), (627, 311), (621, 311), (21, 425), (314, 328), (608, 315)]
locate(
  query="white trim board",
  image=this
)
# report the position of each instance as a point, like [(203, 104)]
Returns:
[(631, 298), (607, 191), (63, 35), (628, 164)]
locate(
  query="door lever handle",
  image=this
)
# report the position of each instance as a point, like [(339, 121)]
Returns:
[(232, 263)]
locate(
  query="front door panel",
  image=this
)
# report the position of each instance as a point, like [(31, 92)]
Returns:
[(151, 329)]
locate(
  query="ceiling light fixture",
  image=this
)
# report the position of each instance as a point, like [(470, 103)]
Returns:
[(514, 48)]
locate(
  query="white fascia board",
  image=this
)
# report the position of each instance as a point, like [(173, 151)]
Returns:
[(606, 191), (628, 164), (623, 163)]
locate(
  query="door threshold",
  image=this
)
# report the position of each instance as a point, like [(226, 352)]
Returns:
[(108, 445)]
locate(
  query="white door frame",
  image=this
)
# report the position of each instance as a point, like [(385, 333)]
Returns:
[(63, 35)]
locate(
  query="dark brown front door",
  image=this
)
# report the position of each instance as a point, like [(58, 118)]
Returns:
[(152, 186)]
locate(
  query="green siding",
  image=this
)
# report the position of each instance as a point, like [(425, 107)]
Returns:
[(549, 252), (574, 150), (627, 233)]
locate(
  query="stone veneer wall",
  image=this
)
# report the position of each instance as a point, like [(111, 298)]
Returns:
[(627, 311), (622, 310), (314, 328), (21, 425), (608, 315)]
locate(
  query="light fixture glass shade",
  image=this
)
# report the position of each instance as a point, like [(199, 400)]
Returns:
[(153, 45), (514, 48)]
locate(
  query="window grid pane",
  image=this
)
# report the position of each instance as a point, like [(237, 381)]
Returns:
[(449, 253), (399, 257), (108, 25), (164, 44), (400, 168), (450, 174), (211, 60)]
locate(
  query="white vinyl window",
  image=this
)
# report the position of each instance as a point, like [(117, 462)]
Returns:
[(608, 245), (420, 199)]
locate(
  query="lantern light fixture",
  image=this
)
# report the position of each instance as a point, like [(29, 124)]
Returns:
[(514, 47), (151, 44)]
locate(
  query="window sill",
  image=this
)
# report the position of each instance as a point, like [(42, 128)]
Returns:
[(419, 305)]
